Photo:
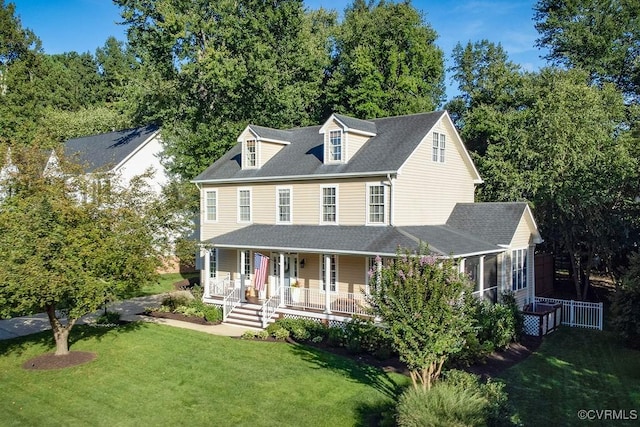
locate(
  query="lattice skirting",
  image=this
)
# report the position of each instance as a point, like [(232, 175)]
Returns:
[(331, 323)]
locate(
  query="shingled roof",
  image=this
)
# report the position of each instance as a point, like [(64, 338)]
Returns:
[(395, 140), (107, 150)]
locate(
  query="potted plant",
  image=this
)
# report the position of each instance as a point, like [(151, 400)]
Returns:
[(250, 295), (295, 290)]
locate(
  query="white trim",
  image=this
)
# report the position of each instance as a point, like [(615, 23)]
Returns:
[(239, 220), (328, 160), (369, 185), (245, 152), (318, 177), (344, 127), (284, 187), (336, 188), (206, 205)]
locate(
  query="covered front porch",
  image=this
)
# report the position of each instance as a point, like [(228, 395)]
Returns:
[(294, 283)]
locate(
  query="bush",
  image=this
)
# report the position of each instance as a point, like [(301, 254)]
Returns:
[(108, 318), (458, 399), (362, 335), (248, 335), (335, 336), (300, 329), (280, 334), (443, 405), (175, 300), (263, 335)]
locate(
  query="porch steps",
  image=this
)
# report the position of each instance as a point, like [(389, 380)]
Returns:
[(248, 315)]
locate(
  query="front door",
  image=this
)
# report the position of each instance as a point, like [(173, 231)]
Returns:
[(290, 268)]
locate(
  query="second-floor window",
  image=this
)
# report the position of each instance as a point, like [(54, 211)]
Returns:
[(244, 205), (376, 204), (439, 142), (211, 205), (329, 205), (284, 205), (335, 146), (250, 153)]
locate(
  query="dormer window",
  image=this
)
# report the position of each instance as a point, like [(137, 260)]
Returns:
[(335, 146), (250, 153)]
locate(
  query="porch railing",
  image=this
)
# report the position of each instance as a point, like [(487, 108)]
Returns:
[(270, 306), (230, 301), (579, 314), (220, 287), (342, 302)]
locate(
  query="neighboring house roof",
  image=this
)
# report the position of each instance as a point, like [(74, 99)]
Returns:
[(493, 222), (365, 240), (108, 150), (395, 140)]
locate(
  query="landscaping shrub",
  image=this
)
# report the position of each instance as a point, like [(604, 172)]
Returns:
[(362, 335), (300, 329), (459, 398), (175, 300), (263, 335), (442, 405), (280, 333), (248, 335), (335, 336), (108, 318)]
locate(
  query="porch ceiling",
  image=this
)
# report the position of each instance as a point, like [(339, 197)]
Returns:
[(357, 240)]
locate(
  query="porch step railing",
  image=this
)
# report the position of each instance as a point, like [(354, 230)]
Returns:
[(270, 306), (342, 302), (230, 301), (579, 314)]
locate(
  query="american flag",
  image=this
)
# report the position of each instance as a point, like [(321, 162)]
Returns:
[(260, 264)]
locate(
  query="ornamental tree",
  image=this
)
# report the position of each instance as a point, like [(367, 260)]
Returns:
[(420, 299), (69, 243)]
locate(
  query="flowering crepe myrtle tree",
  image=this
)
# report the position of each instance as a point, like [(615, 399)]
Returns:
[(69, 243), (420, 299)]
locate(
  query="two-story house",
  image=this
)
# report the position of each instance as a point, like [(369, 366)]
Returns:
[(320, 206)]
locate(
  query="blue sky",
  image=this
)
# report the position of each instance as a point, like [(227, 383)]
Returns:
[(84, 25)]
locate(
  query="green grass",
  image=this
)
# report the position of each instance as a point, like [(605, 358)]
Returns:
[(148, 374), (575, 369)]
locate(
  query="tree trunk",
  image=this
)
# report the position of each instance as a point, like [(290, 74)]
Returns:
[(575, 266), (60, 331)]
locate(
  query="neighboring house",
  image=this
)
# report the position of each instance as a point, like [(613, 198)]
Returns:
[(126, 153), (7, 172), (323, 202)]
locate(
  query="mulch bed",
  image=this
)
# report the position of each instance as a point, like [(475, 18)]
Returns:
[(490, 367), (51, 361)]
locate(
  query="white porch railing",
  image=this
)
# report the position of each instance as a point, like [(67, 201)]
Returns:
[(343, 302), (578, 313), (230, 301), (220, 287), (270, 306)]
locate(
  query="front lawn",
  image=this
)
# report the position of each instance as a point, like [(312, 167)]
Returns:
[(148, 374), (576, 369)]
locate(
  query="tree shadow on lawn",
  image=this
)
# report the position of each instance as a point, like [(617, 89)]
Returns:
[(361, 372), (20, 345)]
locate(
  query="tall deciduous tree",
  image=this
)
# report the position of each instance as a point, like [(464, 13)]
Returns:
[(564, 148), (420, 300), (600, 36), (63, 255), (208, 68), (385, 62)]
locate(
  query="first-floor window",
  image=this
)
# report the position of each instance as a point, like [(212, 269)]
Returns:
[(333, 273), (518, 269), (213, 263)]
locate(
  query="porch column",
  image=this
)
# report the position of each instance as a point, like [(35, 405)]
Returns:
[(281, 278), (481, 276), (207, 273), (242, 285), (327, 284), (462, 265)]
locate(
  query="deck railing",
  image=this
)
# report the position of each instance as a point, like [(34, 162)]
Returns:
[(578, 313), (342, 302)]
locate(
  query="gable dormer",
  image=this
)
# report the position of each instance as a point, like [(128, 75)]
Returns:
[(260, 144), (343, 136)]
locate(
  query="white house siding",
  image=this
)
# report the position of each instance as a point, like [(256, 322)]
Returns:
[(522, 240), (425, 191), (354, 143), (267, 150), (138, 163)]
